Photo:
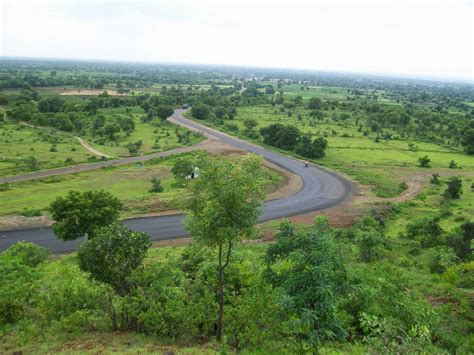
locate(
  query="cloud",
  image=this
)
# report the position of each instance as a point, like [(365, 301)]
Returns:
[(403, 37)]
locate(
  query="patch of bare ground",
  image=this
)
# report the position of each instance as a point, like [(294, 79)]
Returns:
[(17, 221), (90, 92)]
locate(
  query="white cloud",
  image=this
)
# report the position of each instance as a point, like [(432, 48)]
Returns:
[(404, 37)]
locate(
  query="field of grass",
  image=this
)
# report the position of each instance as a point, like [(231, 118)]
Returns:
[(150, 133), (130, 183), (19, 143), (381, 164)]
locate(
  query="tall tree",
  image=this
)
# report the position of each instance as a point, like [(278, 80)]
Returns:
[(79, 213), (224, 207)]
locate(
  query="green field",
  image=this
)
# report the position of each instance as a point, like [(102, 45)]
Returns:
[(19, 143), (150, 133), (382, 165), (130, 183)]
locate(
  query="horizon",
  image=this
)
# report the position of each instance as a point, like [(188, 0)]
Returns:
[(369, 38), (375, 75)]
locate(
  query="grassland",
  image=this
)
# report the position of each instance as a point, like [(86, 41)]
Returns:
[(19, 143), (130, 183), (382, 165), (155, 135)]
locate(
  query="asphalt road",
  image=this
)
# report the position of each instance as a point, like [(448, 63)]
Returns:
[(321, 189)]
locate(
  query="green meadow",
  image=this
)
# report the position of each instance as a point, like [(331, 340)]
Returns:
[(130, 183)]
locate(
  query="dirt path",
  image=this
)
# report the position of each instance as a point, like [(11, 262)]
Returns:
[(81, 141), (90, 149)]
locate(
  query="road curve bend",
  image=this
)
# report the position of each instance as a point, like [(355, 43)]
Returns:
[(321, 189)]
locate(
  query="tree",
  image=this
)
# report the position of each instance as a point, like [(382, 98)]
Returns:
[(468, 140), (79, 214), (315, 103), (164, 111), (281, 136), (424, 162), (319, 146), (462, 242), (50, 104), (133, 148), (310, 269), (435, 179), (110, 129), (113, 254), (224, 206), (454, 189), (201, 111), (182, 168), (368, 241), (156, 185), (250, 124)]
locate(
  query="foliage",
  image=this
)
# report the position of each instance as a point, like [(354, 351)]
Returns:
[(223, 213), (182, 168), (424, 162), (454, 188), (26, 253), (78, 213), (113, 254), (310, 270), (156, 185), (426, 230)]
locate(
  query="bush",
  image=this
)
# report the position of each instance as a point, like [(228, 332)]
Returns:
[(156, 185), (454, 189), (113, 254), (182, 168), (426, 230), (26, 253), (79, 213), (442, 259), (424, 162)]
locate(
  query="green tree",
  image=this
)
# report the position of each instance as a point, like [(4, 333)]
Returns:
[(78, 214), (454, 189), (424, 162), (156, 185), (310, 269), (462, 241), (201, 111), (224, 206), (468, 140), (164, 111), (113, 254), (369, 241), (315, 103), (250, 124), (182, 168)]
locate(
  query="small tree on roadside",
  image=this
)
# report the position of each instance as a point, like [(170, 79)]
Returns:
[(424, 162), (454, 189), (224, 207), (113, 254), (182, 168), (78, 214)]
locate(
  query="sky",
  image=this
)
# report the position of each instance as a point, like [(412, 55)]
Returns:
[(424, 38)]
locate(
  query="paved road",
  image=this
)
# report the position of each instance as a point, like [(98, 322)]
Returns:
[(321, 189)]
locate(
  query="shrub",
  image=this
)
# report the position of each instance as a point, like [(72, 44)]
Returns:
[(79, 213), (454, 189), (426, 230), (182, 168), (442, 259), (26, 253), (156, 185), (424, 162), (113, 254)]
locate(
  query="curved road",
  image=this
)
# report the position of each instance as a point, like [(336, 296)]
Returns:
[(321, 189)]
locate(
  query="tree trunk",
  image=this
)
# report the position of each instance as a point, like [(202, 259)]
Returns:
[(220, 289)]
